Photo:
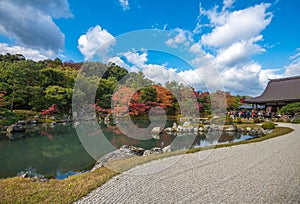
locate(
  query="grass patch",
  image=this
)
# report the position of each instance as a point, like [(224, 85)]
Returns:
[(25, 190), (278, 131)]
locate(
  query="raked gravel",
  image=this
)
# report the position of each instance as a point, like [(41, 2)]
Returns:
[(263, 172)]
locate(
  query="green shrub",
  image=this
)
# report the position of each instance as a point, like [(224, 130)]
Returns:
[(21, 116), (268, 125), (296, 121), (223, 120), (239, 120), (256, 120), (7, 118)]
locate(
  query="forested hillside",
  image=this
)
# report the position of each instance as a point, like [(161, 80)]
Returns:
[(36, 86)]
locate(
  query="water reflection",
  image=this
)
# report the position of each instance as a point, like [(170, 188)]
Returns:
[(57, 151), (44, 149)]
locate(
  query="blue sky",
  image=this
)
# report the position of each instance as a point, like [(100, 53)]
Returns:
[(245, 43)]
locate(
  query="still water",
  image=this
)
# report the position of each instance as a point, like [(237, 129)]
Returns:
[(56, 151)]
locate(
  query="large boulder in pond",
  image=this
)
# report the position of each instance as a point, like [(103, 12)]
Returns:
[(15, 128), (125, 151)]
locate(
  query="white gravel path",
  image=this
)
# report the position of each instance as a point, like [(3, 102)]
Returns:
[(264, 172)]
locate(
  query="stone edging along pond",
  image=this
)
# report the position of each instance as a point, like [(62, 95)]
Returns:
[(125, 151)]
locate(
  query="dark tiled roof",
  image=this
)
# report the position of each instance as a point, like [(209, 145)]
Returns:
[(285, 89)]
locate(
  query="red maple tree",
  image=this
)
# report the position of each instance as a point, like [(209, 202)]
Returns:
[(51, 110)]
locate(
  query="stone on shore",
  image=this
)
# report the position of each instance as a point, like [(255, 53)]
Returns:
[(231, 128), (156, 131), (124, 152), (169, 129), (167, 149), (154, 150), (15, 128)]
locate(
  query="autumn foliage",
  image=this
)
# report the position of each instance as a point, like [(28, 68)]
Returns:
[(51, 110), (127, 100)]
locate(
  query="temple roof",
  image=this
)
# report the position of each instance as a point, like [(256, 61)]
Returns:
[(280, 90)]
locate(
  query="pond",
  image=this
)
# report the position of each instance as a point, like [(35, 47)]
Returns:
[(57, 151)]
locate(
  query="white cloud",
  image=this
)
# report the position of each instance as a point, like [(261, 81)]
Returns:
[(236, 26), (136, 59), (30, 23), (182, 37), (160, 73), (124, 4), (96, 41), (55, 8), (293, 69), (227, 4), (239, 52), (28, 53), (118, 61)]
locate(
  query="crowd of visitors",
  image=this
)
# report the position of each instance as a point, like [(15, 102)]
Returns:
[(261, 114)]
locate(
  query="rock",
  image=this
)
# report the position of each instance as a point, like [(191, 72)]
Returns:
[(186, 127), (167, 149), (147, 153), (154, 150), (240, 130), (124, 152), (137, 150), (124, 147), (186, 124), (132, 150), (196, 130), (255, 133), (231, 128), (206, 128), (169, 129), (52, 118), (248, 129), (21, 122), (40, 180), (175, 126), (215, 128), (201, 129), (15, 128), (15, 135), (156, 136), (25, 175), (33, 122), (156, 130), (222, 128), (261, 132)]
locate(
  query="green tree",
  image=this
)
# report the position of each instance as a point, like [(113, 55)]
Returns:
[(148, 93), (60, 96), (18, 77), (137, 80), (115, 71), (290, 108), (106, 88)]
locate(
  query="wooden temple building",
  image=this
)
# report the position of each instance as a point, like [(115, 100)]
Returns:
[(278, 93)]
